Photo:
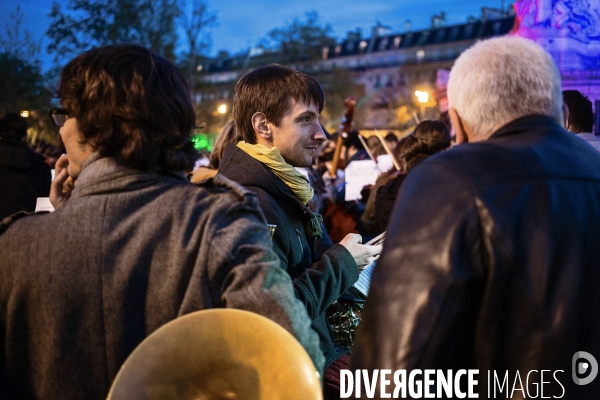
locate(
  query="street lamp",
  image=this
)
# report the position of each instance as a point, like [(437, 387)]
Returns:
[(222, 109), (25, 114), (422, 97)]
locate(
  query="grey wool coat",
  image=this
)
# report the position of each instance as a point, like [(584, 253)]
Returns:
[(131, 250)]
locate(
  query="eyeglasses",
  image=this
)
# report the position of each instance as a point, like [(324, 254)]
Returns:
[(58, 116)]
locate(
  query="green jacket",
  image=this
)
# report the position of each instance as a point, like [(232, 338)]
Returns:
[(317, 283)]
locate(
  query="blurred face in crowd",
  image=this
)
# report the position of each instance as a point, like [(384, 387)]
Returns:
[(77, 152), (299, 135)]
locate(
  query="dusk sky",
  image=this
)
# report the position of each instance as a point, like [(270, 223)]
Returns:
[(242, 23)]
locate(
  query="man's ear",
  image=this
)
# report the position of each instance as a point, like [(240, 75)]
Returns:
[(459, 128), (565, 111), (261, 128)]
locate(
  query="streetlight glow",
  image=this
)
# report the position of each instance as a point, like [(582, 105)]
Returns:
[(25, 114), (422, 97), (222, 109)]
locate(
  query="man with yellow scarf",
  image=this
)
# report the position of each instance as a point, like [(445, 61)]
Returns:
[(276, 111)]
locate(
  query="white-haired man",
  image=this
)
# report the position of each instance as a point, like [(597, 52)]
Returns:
[(487, 281)]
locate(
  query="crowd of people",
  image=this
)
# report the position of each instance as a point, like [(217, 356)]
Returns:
[(489, 261)]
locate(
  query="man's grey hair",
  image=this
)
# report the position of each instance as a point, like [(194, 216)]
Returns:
[(499, 80)]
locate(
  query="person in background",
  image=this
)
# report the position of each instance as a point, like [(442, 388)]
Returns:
[(353, 149), (367, 219), (391, 140), (375, 146), (227, 135), (429, 137), (24, 175), (134, 245), (580, 116), (491, 255)]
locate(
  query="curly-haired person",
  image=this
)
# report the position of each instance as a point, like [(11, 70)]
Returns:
[(134, 245)]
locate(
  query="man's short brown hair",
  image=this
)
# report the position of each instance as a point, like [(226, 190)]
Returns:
[(132, 104), (268, 90)]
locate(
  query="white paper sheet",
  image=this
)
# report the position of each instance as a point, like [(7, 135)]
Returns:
[(358, 175), (43, 204)]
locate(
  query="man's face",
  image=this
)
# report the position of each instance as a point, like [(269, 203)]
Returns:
[(299, 134), (76, 152)]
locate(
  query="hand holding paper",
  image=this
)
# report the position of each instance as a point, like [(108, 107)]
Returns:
[(364, 279), (363, 254)]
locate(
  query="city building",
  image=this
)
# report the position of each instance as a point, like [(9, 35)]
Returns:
[(389, 66)]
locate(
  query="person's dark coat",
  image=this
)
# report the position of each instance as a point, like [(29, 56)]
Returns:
[(24, 176), (318, 283), (385, 198), (386, 195), (492, 262)]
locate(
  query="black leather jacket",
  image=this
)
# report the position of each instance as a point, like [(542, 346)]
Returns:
[(492, 262)]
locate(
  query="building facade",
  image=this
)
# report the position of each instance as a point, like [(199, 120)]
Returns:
[(389, 66)]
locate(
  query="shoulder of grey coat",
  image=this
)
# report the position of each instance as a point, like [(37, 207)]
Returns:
[(219, 181)]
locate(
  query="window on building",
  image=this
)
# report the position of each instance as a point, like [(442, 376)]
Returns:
[(453, 34), (497, 26), (338, 50), (325, 53), (439, 36), (397, 41), (383, 43), (468, 31), (420, 55)]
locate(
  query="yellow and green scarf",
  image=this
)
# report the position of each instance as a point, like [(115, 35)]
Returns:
[(297, 182), (271, 157)]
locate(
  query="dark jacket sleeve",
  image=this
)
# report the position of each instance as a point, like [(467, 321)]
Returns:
[(318, 284), (325, 280), (248, 274), (426, 288)]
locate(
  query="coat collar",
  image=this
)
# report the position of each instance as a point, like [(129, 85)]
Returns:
[(528, 123), (238, 166), (107, 174)]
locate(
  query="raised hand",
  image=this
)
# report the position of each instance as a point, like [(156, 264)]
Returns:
[(62, 184)]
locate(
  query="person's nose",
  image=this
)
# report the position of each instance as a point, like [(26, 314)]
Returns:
[(319, 134)]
